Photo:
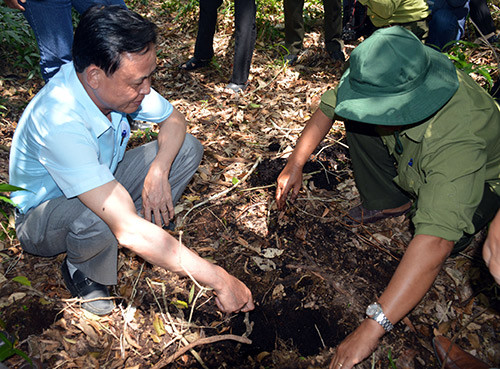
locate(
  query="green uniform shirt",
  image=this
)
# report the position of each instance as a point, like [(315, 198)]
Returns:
[(446, 159), (386, 12)]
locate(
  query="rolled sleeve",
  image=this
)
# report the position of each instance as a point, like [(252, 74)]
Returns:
[(328, 103), (451, 192)]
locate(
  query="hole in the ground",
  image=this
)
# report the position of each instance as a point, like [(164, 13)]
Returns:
[(306, 330)]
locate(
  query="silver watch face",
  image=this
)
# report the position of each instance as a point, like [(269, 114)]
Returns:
[(373, 309)]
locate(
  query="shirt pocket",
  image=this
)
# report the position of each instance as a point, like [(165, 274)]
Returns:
[(409, 178)]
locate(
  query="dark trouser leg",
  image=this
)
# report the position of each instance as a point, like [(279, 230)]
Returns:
[(373, 168), (481, 16), (294, 25), (206, 29), (333, 25), (244, 39)]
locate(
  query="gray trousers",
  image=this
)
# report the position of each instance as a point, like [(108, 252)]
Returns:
[(67, 225)]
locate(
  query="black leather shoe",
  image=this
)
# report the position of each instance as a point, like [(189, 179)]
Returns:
[(87, 289)]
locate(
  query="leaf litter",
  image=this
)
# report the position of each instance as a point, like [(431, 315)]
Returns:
[(311, 275)]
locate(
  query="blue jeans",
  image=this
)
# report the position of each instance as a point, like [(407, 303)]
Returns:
[(52, 25), (446, 23)]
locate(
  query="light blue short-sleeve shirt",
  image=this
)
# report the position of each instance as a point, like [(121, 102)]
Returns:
[(64, 145)]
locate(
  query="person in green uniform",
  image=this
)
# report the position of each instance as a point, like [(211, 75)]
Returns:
[(411, 14), (419, 131)]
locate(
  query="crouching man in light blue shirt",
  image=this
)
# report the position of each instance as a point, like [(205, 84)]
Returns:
[(84, 190)]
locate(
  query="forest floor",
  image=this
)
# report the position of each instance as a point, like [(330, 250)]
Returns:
[(311, 274)]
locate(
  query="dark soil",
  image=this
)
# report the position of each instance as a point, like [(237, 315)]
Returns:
[(311, 274)]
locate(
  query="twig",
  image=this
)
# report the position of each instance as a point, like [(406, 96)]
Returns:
[(220, 194), (485, 40), (201, 341)]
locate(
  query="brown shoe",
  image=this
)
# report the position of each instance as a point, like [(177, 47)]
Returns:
[(455, 357)]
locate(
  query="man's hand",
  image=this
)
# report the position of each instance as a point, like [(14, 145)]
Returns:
[(491, 248), (157, 197), (358, 345), (233, 296), (290, 179), (14, 4)]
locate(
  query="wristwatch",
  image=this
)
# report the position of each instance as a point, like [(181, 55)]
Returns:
[(374, 311)]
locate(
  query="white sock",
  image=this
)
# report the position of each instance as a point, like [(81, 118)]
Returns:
[(71, 268)]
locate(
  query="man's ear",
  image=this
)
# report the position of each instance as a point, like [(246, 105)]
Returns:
[(94, 76)]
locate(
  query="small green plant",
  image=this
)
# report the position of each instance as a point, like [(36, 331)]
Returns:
[(391, 360), (460, 52), (8, 349), (7, 229), (18, 42)]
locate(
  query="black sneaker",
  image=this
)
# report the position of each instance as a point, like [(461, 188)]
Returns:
[(87, 289)]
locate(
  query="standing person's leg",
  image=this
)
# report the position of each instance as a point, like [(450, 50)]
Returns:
[(481, 16), (333, 29), (52, 25), (294, 25), (207, 22), (374, 168), (244, 34)]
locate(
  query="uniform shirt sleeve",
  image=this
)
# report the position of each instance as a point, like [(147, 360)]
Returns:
[(382, 8), (328, 103), (451, 191)]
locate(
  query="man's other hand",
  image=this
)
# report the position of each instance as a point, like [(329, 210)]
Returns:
[(157, 197)]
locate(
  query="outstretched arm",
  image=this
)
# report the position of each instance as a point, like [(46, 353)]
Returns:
[(491, 248), (290, 179), (414, 276), (113, 204)]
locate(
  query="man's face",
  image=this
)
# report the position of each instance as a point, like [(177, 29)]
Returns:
[(125, 89)]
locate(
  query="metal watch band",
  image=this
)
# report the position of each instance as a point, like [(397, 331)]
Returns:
[(381, 319)]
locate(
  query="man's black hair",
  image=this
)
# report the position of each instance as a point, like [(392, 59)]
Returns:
[(105, 32)]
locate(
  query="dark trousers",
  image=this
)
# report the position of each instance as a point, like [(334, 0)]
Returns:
[(244, 35), (481, 16), (374, 169), (294, 25)]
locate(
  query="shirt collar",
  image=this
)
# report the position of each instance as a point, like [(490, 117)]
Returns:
[(415, 132), (100, 123)]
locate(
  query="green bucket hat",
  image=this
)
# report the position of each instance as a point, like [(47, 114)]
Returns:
[(393, 79)]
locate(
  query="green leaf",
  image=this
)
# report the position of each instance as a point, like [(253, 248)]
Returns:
[(180, 304), (23, 280), (235, 180), (5, 187), (191, 294)]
